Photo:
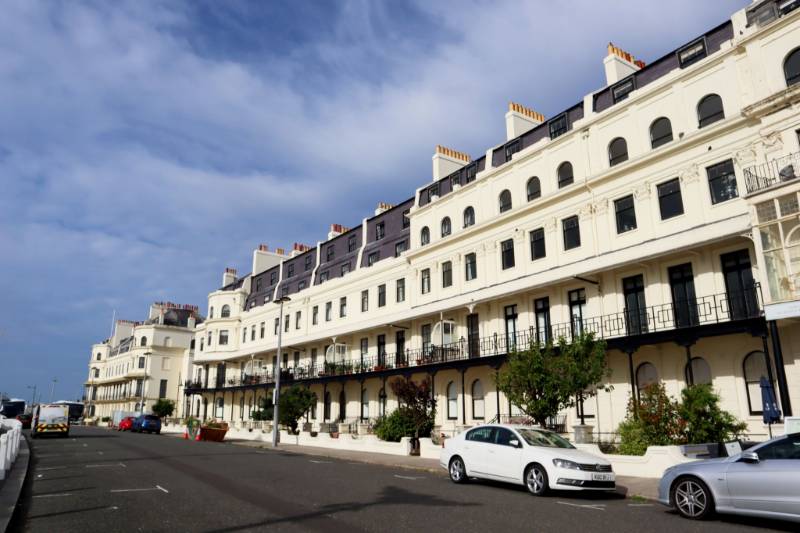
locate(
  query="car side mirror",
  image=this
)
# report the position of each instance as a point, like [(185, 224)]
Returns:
[(750, 457), (515, 443)]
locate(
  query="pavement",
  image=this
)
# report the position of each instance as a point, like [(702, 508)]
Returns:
[(101, 480), (11, 486)]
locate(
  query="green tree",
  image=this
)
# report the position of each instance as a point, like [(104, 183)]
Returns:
[(544, 379), (295, 402), (163, 408), (417, 403)]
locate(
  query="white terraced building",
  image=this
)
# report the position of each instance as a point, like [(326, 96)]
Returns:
[(141, 361), (660, 212)]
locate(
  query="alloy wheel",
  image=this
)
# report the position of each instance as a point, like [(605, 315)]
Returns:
[(691, 498), (457, 471), (536, 480)]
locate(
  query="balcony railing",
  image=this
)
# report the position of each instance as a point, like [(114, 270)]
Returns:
[(681, 314), (780, 170)]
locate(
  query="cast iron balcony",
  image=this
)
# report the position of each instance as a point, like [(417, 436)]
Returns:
[(780, 170)]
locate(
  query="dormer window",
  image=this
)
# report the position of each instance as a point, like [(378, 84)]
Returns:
[(380, 231), (323, 276), (406, 220), (309, 262), (329, 253), (470, 173), (512, 148), (290, 270), (373, 258), (351, 243), (433, 190), (558, 126), (621, 90), (692, 53), (273, 278)]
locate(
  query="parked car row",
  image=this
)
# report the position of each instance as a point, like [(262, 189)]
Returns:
[(762, 481), (140, 424)]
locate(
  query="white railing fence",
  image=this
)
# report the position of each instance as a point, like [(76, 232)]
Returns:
[(9, 443)]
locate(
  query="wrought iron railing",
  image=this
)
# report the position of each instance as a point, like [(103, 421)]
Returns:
[(680, 314), (765, 175)]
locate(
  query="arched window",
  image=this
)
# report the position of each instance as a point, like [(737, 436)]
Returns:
[(326, 408), (791, 67), (754, 368), (382, 402), (99, 356), (211, 312), (446, 227), (477, 400), (660, 132), (646, 375), (342, 406), (505, 201), (452, 401), (469, 217), (565, 174), (364, 404), (143, 341), (617, 151), (226, 311), (534, 188), (701, 372), (425, 236), (709, 110)]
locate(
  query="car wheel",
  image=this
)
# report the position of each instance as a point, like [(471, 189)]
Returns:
[(692, 498), (536, 480), (458, 472)]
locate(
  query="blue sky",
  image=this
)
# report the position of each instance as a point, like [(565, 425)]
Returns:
[(146, 146)]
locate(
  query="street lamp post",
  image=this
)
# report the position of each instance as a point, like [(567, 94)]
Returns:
[(144, 381), (276, 395), (33, 399), (53, 389)]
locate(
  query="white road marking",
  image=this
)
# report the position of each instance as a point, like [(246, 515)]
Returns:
[(101, 465), (319, 462), (596, 507), (640, 505), (52, 495), (408, 477), (157, 487), (50, 468)]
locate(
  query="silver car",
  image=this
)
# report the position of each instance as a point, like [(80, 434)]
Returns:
[(762, 481)]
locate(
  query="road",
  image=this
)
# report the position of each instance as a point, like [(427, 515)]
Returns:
[(99, 480)]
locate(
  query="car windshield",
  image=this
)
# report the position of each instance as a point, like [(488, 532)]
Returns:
[(537, 437)]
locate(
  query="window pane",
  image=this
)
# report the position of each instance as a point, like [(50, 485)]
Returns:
[(572, 233), (722, 181), (660, 132), (709, 110), (537, 244), (626, 215), (617, 151), (565, 175), (507, 253), (669, 199)]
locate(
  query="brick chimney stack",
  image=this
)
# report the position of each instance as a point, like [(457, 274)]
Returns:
[(229, 276), (520, 119), (619, 64), (336, 230), (446, 161)]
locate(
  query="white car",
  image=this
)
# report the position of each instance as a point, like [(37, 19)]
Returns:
[(537, 458)]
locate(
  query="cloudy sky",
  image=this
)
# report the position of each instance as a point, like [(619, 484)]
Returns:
[(146, 146)]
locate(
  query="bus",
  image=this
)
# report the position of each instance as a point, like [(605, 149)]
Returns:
[(75, 409)]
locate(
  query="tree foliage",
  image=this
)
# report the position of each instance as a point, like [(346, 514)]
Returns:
[(295, 402), (401, 423), (544, 379), (663, 421), (416, 403), (163, 408)]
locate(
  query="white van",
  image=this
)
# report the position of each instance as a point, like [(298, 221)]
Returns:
[(50, 418)]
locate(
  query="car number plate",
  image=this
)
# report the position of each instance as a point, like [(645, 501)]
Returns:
[(602, 477)]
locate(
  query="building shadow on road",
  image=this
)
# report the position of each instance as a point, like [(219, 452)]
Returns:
[(390, 495), (619, 494)]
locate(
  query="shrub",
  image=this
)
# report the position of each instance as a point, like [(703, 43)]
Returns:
[(703, 418), (401, 423), (163, 408), (663, 421)]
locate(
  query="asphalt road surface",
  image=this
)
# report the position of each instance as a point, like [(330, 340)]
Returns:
[(99, 480)]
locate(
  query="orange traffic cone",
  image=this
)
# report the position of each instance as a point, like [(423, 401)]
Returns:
[(197, 437), (185, 435)]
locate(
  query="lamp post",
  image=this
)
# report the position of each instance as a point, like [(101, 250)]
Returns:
[(53, 389), (144, 381), (276, 395), (33, 399)]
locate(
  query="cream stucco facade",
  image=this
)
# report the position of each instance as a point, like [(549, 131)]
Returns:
[(640, 214)]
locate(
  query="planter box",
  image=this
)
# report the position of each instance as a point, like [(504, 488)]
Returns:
[(213, 434), (344, 428)]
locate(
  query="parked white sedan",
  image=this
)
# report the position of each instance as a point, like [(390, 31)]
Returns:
[(537, 458)]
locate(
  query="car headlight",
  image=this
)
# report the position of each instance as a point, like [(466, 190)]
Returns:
[(564, 463)]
